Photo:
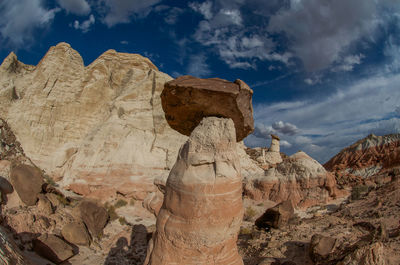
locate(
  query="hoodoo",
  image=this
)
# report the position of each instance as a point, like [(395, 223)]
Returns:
[(202, 211)]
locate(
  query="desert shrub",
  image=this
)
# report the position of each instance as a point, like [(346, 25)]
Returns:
[(132, 202), (111, 212), (358, 191), (49, 180), (245, 231), (122, 220), (249, 214), (120, 203), (63, 200)]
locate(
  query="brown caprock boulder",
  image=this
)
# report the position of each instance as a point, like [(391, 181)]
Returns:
[(200, 219), (187, 99)]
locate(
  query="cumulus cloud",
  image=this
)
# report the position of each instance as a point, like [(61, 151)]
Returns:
[(20, 18), (285, 128), (198, 66), (121, 11), (397, 111), (279, 128), (320, 31), (77, 7), (85, 25)]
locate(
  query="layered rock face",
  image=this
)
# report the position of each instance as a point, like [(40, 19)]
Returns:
[(202, 210), (299, 178), (99, 128), (367, 157)]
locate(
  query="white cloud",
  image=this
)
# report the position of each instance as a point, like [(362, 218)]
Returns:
[(224, 30), (285, 128), (203, 8), (78, 7), (285, 144), (124, 42), (20, 18), (347, 64), (326, 125), (121, 11), (85, 25), (320, 32), (198, 66)]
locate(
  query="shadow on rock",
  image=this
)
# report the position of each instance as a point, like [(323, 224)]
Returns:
[(133, 253)]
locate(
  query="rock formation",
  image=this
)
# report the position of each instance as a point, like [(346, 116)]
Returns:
[(299, 178), (202, 210), (273, 156), (100, 128), (367, 157), (190, 99)]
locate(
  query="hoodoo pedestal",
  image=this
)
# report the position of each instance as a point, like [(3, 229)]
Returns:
[(202, 211)]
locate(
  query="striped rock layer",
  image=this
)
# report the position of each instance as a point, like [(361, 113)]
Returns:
[(202, 210)]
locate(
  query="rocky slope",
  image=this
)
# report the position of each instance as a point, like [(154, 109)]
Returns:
[(368, 157), (99, 129)]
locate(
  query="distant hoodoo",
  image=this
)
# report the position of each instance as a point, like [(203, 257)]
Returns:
[(187, 100)]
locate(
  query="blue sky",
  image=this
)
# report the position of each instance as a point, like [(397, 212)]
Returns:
[(324, 73)]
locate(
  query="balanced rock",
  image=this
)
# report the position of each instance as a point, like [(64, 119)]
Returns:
[(273, 156), (27, 182), (187, 100), (93, 215), (202, 211)]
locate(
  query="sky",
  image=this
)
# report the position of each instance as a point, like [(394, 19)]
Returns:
[(325, 73)]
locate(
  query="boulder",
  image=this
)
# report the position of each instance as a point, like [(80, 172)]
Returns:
[(44, 206), (373, 254), (53, 248), (93, 215), (187, 100), (76, 233), (5, 186), (277, 216), (321, 247), (27, 182), (202, 211)]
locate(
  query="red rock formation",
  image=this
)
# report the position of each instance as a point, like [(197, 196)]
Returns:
[(367, 157), (190, 99), (202, 210)]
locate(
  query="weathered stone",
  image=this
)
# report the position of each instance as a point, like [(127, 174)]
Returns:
[(27, 182), (76, 233), (187, 100), (93, 215), (373, 254), (5, 186), (100, 126), (10, 252), (52, 248), (277, 216), (202, 211), (321, 247), (44, 205), (299, 178)]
